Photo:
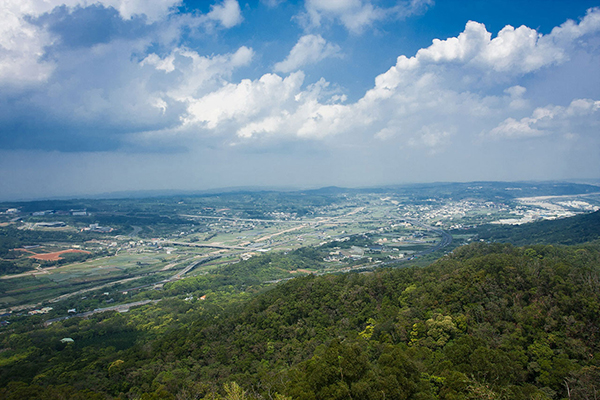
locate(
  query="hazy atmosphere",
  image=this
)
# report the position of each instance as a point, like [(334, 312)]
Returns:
[(118, 95)]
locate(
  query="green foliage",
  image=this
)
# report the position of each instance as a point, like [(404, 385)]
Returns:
[(574, 230), (486, 322), (252, 272), (11, 267)]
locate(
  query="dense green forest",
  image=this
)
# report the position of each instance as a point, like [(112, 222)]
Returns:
[(574, 230), (490, 321)]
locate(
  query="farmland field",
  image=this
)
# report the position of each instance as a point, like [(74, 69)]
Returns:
[(140, 243)]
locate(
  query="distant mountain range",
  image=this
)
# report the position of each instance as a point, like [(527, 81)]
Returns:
[(445, 190)]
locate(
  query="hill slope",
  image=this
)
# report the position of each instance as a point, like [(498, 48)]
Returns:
[(489, 321), (574, 230)]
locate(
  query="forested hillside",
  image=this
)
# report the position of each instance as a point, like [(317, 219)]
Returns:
[(487, 322), (574, 230)]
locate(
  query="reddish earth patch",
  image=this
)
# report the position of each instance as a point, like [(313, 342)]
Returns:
[(23, 250), (56, 255), (305, 271)]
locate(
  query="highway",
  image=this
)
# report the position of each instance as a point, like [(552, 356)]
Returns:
[(119, 308), (191, 266), (445, 240), (209, 245)]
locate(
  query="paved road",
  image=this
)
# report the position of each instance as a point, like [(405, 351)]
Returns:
[(445, 241), (119, 308), (125, 307), (214, 246), (136, 230), (245, 219), (191, 266), (66, 296)]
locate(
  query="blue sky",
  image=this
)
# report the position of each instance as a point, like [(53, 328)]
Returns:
[(143, 95)]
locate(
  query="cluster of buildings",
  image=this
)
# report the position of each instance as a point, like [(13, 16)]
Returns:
[(535, 208), (98, 228), (278, 215), (44, 310), (353, 253), (460, 209), (60, 212), (54, 224)]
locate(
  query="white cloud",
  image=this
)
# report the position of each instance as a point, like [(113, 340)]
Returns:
[(227, 14), (356, 15), (272, 3), (270, 107), (113, 95), (245, 100), (516, 94), (512, 52), (310, 49), (550, 119), (308, 120), (21, 48), (23, 43), (430, 136), (571, 30), (195, 75), (513, 128), (153, 10), (444, 95), (164, 64), (423, 101)]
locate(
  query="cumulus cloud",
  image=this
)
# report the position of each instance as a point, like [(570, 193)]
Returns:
[(271, 107), (427, 101), (310, 49), (446, 93), (244, 100), (109, 96), (519, 50), (139, 85), (227, 14), (78, 77), (29, 29), (153, 10), (356, 15), (23, 43), (513, 52), (551, 119), (21, 49), (188, 75)]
